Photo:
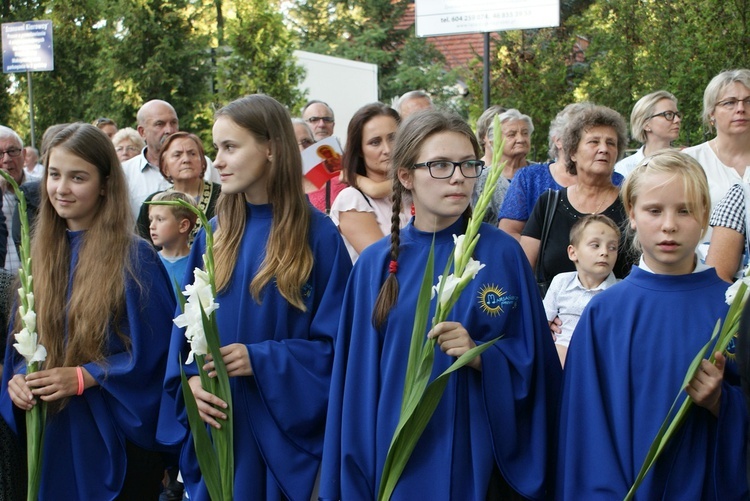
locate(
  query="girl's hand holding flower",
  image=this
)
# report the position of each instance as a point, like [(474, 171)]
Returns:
[(454, 341), (207, 403), (705, 387), (20, 393), (236, 358)]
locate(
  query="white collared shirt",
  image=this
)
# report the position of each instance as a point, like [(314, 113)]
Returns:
[(566, 298)]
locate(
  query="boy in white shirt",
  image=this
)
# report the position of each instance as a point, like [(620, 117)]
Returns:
[(594, 240)]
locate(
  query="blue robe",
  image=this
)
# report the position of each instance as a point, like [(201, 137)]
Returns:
[(84, 443), (500, 417), (626, 363), (279, 413)]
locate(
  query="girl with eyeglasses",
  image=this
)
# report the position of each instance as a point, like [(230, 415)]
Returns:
[(655, 123), (491, 429)]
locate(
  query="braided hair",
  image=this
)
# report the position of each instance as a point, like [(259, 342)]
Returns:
[(411, 134)]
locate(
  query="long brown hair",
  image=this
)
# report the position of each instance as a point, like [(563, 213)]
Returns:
[(412, 133), (353, 162), (288, 258), (97, 296)]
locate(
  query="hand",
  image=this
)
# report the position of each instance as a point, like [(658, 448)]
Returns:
[(705, 387), (454, 341), (207, 403), (236, 358), (20, 393), (55, 384), (556, 327)]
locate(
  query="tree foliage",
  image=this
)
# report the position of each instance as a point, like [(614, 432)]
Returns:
[(260, 56), (636, 47)]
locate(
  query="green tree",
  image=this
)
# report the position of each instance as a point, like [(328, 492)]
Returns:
[(259, 56)]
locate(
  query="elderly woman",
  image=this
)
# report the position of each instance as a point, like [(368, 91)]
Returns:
[(592, 143), (530, 182), (483, 126), (655, 123), (182, 162), (484, 131), (362, 219), (128, 143), (726, 108), (516, 129)]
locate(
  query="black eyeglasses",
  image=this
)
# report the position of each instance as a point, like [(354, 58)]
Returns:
[(669, 115), (443, 169), (313, 120), (12, 152), (305, 142)]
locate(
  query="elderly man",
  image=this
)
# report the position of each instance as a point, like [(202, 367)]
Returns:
[(156, 119), (320, 117), (31, 165), (412, 101), (13, 158)]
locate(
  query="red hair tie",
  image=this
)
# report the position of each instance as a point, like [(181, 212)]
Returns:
[(393, 267)]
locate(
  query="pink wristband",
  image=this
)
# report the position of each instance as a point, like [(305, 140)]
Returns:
[(79, 372)]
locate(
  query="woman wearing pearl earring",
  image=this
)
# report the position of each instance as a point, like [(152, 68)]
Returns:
[(655, 123)]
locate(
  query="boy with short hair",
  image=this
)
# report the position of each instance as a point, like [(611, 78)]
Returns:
[(170, 227), (594, 240)]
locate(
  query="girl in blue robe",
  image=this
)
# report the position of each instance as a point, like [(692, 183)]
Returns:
[(103, 303), (491, 434), (632, 349), (281, 268)]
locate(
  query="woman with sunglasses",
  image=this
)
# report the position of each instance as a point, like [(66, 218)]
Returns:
[(655, 123)]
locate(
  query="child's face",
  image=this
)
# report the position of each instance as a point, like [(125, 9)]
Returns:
[(666, 229), (74, 187), (439, 202), (243, 162), (163, 226), (596, 252)]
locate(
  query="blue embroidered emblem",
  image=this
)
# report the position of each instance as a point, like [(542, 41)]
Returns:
[(494, 300)]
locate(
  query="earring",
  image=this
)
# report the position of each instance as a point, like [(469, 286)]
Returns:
[(712, 120), (648, 130)]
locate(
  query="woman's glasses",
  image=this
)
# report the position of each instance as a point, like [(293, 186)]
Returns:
[(669, 115)]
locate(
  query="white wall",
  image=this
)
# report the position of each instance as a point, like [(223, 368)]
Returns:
[(345, 85)]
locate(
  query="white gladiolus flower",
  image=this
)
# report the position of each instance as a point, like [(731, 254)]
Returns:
[(458, 251), (29, 320), (471, 270), (451, 282), (198, 294), (28, 347), (732, 290)]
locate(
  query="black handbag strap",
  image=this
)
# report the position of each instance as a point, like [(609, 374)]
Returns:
[(553, 196)]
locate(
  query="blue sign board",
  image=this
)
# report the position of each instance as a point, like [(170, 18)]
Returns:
[(27, 46)]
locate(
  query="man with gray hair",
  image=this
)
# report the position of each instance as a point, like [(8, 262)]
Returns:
[(156, 119), (13, 158), (413, 101), (31, 164)]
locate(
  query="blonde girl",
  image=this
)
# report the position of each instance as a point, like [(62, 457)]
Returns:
[(632, 348), (103, 307), (280, 269)]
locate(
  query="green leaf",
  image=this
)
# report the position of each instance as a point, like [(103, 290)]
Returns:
[(204, 449), (409, 431), (670, 425), (418, 329), (224, 437)]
